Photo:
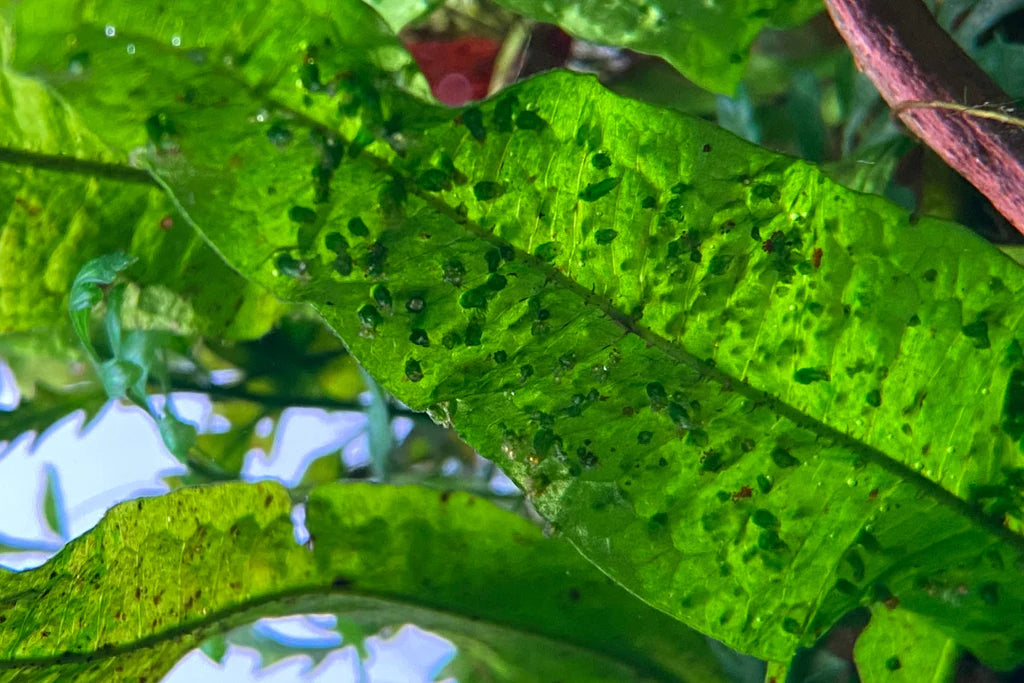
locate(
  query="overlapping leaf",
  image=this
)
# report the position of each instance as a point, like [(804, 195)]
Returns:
[(399, 13), (707, 41), (156, 577), (899, 646), (699, 358), (54, 219)]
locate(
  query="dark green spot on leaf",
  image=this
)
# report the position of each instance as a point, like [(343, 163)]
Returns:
[(413, 370), (487, 189), (474, 298), (783, 458), (370, 316), (601, 161), (357, 227), (547, 251), (302, 214), (528, 120), (595, 191), (474, 334), (419, 337), (473, 119), (811, 375), (382, 296)]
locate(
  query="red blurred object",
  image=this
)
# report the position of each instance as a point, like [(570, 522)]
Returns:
[(458, 70)]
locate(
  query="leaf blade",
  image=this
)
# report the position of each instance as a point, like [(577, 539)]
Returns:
[(380, 559), (706, 43), (747, 287)]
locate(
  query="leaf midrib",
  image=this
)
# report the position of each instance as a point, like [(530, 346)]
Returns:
[(221, 621), (75, 166)]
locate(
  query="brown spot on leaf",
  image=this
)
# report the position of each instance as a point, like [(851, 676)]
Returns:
[(31, 209), (744, 492)]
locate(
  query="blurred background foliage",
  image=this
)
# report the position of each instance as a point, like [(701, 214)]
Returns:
[(801, 95)]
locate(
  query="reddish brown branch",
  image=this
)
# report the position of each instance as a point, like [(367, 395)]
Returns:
[(909, 57)]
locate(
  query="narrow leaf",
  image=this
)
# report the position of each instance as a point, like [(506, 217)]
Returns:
[(53, 504), (382, 556), (86, 293)]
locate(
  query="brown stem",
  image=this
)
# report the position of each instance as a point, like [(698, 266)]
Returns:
[(910, 58)]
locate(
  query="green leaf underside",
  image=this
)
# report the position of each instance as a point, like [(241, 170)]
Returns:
[(400, 13), (898, 646), (53, 222), (216, 557), (708, 42), (754, 338)]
